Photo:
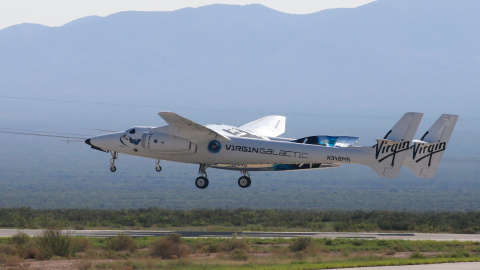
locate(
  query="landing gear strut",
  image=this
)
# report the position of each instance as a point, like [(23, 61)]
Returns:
[(244, 181), (202, 181), (158, 168), (112, 161)]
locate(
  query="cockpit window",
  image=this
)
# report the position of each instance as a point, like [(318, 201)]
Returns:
[(132, 131)]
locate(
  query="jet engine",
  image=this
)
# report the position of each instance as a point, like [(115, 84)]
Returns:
[(160, 142)]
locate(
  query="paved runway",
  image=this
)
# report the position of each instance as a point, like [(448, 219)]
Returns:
[(142, 233)]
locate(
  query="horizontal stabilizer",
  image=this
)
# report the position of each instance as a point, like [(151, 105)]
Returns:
[(425, 154), (390, 151)]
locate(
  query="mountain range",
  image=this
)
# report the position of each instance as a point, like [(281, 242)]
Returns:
[(339, 72)]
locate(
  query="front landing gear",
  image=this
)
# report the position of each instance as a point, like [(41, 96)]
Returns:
[(202, 181), (112, 161), (158, 168), (244, 181)]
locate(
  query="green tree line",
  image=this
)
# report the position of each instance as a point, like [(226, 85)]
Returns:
[(263, 219)]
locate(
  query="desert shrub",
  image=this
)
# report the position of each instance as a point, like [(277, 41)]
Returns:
[(342, 226), (357, 242), (398, 247), (390, 251), (170, 247), (53, 243), (203, 247), (212, 248), (20, 239), (79, 227), (233, 243), (239, 255), (317, 226), (81, 244), (122, 242), (328, 241), (30, 251), (8, 249), (382, 243), (301, 243), (417, 255), (110, 254)]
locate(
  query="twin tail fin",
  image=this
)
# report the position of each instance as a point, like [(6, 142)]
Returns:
[(425, 154), (390, 152)]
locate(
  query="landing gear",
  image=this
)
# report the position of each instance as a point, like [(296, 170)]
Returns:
[(202, 181), (158, 168), (244, 181), (112, 161)]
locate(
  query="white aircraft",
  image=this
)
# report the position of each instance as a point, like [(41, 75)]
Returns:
[(256, 146)]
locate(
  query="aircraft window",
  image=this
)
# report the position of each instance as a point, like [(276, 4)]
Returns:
[(132, 131)]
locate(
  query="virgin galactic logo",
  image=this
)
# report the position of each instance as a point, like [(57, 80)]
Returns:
[(214, 146)]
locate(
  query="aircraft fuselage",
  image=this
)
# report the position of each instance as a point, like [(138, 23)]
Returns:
[(256, 146)]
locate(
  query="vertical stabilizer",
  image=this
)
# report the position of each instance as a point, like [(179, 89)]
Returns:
[(390, 151), (425, 154)]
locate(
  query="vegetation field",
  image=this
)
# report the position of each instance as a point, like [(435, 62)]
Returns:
[(172, 252), (243, 220), (55, 250)]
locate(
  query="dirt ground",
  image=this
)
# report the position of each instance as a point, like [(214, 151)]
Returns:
[(85, 264), (57, 264)]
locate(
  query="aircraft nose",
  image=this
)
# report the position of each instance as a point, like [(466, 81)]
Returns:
[(99, 143), (104, 142)]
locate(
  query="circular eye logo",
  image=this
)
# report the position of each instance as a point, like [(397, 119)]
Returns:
[(214, 146)]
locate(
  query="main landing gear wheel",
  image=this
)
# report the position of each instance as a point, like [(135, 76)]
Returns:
[(113, 168), (201, 182), (244, 181)]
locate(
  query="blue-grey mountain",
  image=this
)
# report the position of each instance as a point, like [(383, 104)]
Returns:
[(339, 72)]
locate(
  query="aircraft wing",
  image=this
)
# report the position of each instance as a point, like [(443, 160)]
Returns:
[(268, 126), (187, 129)]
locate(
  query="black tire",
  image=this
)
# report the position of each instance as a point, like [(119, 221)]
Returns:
[(158, 169), (244, 181), (201, 182), (113, 168)]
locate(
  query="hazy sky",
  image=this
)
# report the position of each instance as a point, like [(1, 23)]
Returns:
[(59, 12)]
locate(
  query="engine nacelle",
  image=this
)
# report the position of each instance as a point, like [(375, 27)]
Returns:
[(160, 142)]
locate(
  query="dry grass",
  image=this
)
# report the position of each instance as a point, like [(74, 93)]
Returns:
[(12, 261), (235, 252)]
